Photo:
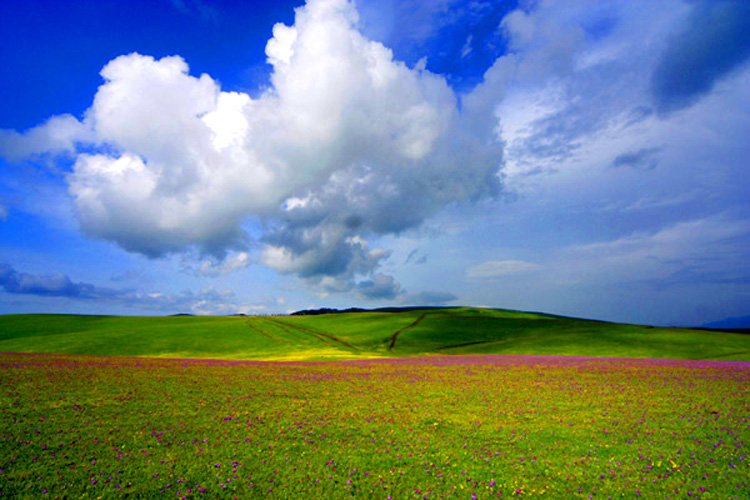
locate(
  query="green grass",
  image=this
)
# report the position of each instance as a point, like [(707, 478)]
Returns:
[(361, 335), (440, 426)]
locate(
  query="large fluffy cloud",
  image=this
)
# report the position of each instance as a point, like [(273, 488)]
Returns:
[(346, 143)]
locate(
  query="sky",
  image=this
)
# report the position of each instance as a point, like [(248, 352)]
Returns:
[(581, 158)]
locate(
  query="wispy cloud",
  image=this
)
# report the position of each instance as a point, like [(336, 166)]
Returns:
[(380, 287), (428, 298), (467, 48), (641, 159), (53, 285), (647, 203), (498, 268), (196, 8), (699, 251), (415, 257), (58, 285)]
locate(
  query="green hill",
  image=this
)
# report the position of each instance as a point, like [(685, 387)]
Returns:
[(351, 335)]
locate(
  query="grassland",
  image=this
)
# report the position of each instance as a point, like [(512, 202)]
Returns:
[(430, 427), (407, 404), (361, 335)]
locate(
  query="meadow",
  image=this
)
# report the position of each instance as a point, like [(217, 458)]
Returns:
[(424, 427), (408, 332)]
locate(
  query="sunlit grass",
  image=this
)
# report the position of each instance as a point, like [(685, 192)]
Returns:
[(360, 335)]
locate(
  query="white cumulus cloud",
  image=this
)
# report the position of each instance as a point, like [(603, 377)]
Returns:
[(346, 143), (58, 135)]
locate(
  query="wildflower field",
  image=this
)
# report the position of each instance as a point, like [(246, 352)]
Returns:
[(415, 427)]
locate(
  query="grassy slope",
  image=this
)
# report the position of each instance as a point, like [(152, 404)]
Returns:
[(355, 335)]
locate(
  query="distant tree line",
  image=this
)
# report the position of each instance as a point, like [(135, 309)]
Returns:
[(327, 310)]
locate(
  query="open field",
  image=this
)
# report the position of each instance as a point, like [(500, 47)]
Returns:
[(361, 335), (389, 414), (90, 427)]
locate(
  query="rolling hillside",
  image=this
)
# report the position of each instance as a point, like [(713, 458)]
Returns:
[(353, 335)]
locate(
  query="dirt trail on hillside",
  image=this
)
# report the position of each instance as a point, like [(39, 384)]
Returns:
[(407, 327), (324, 337), (255, 326)]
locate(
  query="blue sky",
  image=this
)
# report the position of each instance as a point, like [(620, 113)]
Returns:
[(582, 158)]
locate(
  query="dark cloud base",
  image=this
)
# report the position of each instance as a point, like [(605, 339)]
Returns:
[(713, 42)]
